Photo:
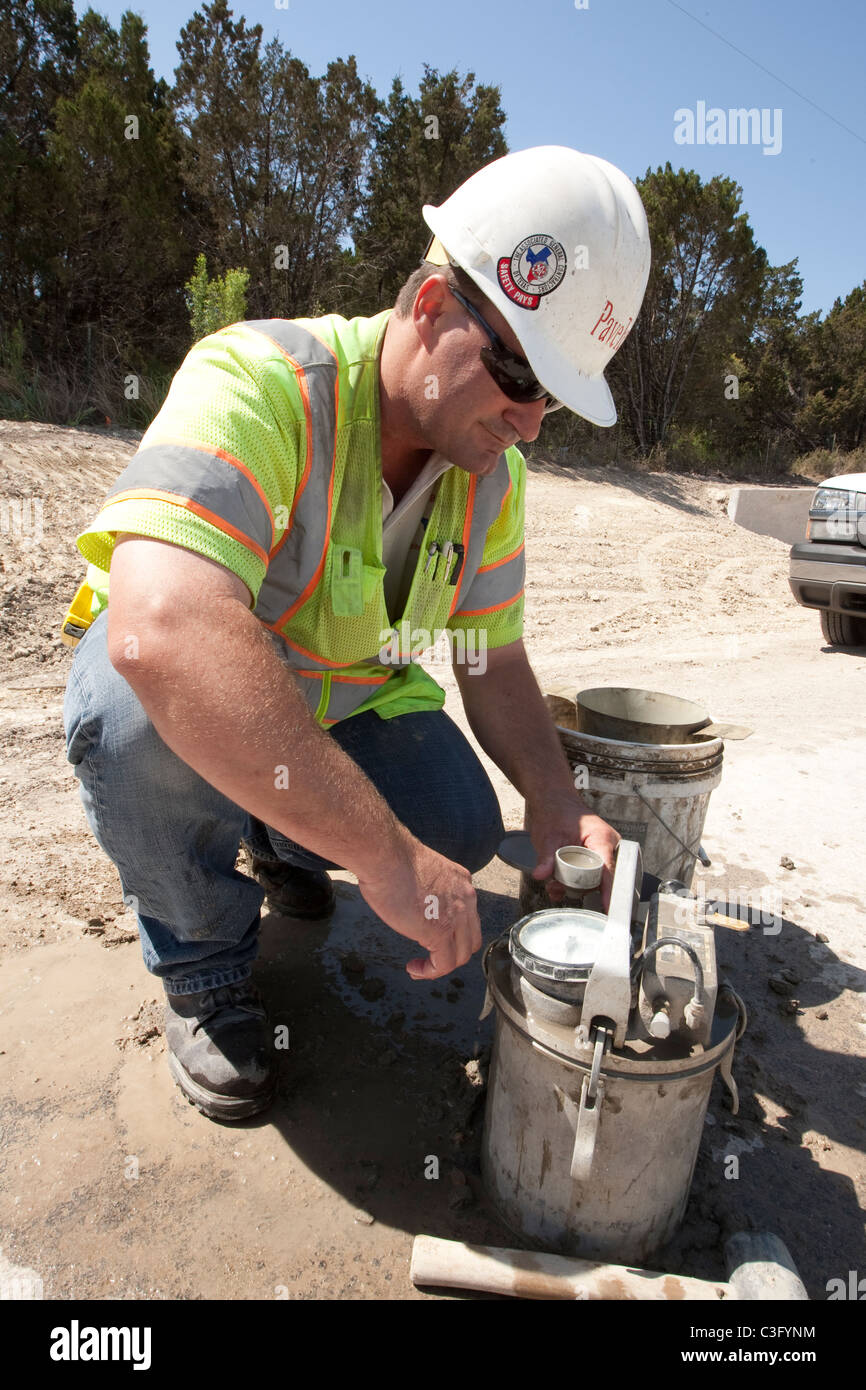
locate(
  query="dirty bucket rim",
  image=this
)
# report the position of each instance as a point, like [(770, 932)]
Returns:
[(703, 743)]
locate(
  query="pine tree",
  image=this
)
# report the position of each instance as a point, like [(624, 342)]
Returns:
[(425, 147)]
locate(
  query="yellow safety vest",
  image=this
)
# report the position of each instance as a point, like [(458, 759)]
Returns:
[(266, 457)]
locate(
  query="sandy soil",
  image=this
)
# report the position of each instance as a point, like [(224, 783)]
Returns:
[(114, 1187)]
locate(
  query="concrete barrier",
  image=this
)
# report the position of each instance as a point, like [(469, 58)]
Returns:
[(772, 511)]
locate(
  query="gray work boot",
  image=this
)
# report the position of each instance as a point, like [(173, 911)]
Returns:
[(218, 1050), (293, 892)]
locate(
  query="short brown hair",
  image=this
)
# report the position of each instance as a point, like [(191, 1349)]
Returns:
[(454, 275)]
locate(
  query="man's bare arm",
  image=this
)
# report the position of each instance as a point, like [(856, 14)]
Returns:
[(507, 714), (208, 677)]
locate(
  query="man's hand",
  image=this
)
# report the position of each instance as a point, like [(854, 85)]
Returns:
[(432, 901), (566, 820)]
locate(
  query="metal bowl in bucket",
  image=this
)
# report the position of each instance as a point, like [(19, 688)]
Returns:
[(639, 716), (555, 949)]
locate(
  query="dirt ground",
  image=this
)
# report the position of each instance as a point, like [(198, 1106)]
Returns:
[(114, 1187)]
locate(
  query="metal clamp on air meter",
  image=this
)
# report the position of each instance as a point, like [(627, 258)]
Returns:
[(607, 1001)]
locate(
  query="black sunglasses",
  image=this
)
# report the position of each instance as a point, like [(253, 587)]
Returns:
[(512, 374)]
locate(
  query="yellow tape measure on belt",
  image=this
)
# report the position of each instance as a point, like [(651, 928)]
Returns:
[(78, 618)]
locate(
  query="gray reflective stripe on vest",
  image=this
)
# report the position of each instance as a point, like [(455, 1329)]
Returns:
[(346, 696), (489, 495), (495, 586), (203, 477), (297, 557), (310, 688)]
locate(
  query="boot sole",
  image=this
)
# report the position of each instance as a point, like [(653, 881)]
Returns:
[(212, 1104)]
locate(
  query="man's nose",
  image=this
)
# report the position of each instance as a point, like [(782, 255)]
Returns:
[(525, 417)]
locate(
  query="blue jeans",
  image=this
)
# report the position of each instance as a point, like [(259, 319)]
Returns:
[(174, 838)]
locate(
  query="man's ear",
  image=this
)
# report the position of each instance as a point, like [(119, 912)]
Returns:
[(431, 302)]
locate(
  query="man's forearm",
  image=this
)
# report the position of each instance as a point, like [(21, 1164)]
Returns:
[(220, 698), (508, 716)]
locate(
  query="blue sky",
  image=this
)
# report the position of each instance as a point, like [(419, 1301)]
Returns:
[(608, 78)]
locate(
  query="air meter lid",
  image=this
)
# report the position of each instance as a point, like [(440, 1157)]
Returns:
[(558, 943)]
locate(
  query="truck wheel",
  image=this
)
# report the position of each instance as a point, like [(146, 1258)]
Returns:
[(843, 629)]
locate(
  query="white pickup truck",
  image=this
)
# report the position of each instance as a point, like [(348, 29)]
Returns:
[(828, 568)]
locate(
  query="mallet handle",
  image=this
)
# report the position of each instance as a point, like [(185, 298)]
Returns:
[(525, 1274)]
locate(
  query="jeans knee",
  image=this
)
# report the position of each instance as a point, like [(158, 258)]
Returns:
[(477, 834), (479, 852), (110, 735)]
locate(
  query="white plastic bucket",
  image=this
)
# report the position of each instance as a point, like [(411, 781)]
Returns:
[(655, 793)]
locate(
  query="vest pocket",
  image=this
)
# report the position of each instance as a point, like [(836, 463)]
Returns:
[(345, 580), (350, 581), (430, 598)]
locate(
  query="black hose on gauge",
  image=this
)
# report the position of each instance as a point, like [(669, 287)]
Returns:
[(696, 1007), (644, 958)]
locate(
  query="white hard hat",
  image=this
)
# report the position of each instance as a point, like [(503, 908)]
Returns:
[(558, 242)]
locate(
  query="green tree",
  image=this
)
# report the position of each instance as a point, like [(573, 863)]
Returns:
[(38, 52), (118, 205), (833, 413), (702, 300), (215, 303), (280, 155), (310, 218), (756, 419), (216, 97), (425, 147)]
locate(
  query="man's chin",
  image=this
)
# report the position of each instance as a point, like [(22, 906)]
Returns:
[(478, 459), (481, 463), (490, 456)]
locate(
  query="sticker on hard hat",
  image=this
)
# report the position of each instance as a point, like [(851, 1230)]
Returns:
[(534, 268)]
